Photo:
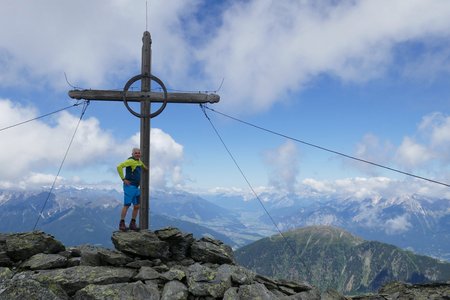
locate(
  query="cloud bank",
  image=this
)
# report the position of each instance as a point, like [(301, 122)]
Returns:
[(428, 148), (283, 166), (264, 49), (35, 150)]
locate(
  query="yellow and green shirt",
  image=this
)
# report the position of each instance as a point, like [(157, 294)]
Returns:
[(132, 171)]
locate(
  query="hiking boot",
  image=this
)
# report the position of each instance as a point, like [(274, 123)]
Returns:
[(122, 226), (133, 225)]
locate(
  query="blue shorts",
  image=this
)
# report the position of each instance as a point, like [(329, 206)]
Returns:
[(131, 195)]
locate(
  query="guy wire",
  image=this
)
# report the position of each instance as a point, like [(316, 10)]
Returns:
[(329, 150), (86, 104), (250, 185), (34, 119)]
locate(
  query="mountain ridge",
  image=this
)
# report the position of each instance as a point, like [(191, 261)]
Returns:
[(409, 221), (333, 258), (79, 219)]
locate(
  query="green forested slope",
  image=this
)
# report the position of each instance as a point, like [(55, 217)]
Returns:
[(332, 258)]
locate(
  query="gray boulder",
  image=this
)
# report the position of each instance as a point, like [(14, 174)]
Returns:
[(43, 261), (144, 244), (332, 295), (119, 291), (231, 294), (294, 286), (113, 258), (255, 291), (238, 274), (416, 291), (3, 237), (99, 256), (179, 243), (312, 294), (5, 273), (76, 278), (137, 264), (205, 281), (73, 262), (21, 246), (88, 255), (212, 251), (30, 290), (147, 273), (175, 290), (268, 282), (5, 261), (175, 273)]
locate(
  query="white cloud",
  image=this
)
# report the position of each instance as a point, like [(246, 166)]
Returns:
[(166, 157), (355, 188), (426, 150), (283, 165), (317, 186), (397, 225), (229, 191), (40, 179), (32, 153), (370, 148), (265, 49), (39, 145), (435, 128), (361, 188), (92, 41), (411, 154)]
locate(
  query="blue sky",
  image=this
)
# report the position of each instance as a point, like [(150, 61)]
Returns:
[(365, 78)]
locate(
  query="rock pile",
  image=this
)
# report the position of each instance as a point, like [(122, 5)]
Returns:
[(404, 291), (165, 264)]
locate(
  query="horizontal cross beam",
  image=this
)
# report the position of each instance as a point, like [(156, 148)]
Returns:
[(132, 96)]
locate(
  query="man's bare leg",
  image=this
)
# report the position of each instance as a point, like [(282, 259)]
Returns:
[(124, 212), (135, 211)]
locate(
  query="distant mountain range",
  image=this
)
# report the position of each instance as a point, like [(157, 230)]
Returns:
[(411, 222), (80, 215), (331, 258), (84, 216)]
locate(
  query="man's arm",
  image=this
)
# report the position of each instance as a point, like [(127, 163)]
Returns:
[(144, 166), (120, 169)]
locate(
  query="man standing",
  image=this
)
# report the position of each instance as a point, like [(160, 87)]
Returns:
[(131, 190)]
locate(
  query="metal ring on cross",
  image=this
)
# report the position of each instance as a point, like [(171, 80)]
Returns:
[(139, 77)]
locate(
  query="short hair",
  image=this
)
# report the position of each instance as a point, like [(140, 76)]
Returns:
[(135, 150)]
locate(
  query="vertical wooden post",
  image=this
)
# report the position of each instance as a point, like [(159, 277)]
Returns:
[(145, 131)]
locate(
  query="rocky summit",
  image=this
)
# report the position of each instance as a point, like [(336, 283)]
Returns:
[(164, 264)]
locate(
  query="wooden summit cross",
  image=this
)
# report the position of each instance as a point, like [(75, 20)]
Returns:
[(145, 97)]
